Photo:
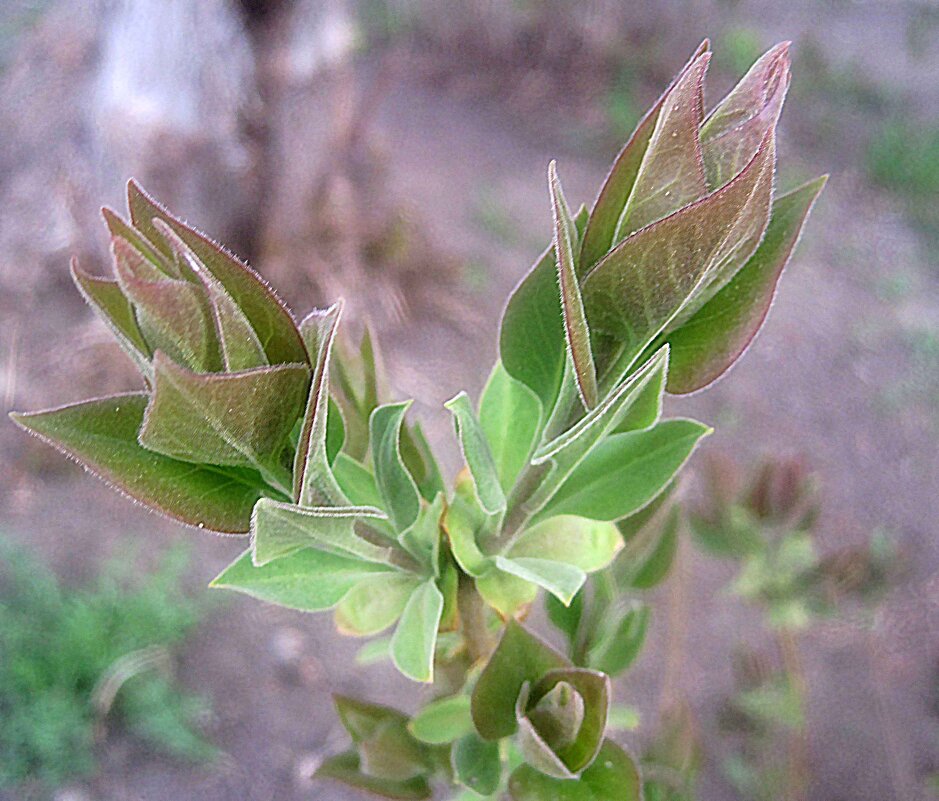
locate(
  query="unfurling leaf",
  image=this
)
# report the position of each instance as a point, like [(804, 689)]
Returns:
[(576, 332), (477, 455), (396, 485), (101, 435), (613, 776)]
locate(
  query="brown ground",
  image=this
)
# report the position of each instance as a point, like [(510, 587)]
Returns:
[(833, 376)]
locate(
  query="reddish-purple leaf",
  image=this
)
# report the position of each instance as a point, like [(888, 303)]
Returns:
[(238, 419), (636, 290), (101, 435), (174, 315), (609, 205), (269, 317), (672, 173), (733, 132), (719, 333)]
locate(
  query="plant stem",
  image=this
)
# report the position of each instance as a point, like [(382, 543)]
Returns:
[(473, 621), (798, 750)]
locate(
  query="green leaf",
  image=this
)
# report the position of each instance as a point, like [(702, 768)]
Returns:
[(422, 539), (477, 764), (346, 768), (420, 462), (510, 416), (398, 490), (587, 544), (509, 595), (442, 721), (314, 482), (374, 604), (356, 481), (477, 455), (594, 688), (560, 579), (705, 346), (363, 719), (651, 569), (566, 618), (576, 332), (634, 292), (460, 523), (310, 580), (519, 657), (119, 228), (101, 435), (240, 347), (645, 409), (598, 237), (620, 639), (671, 174), (173, 315), (415, 638), (626, 471), (531, 341), (237, 419), (279, 528), (335, 432), (269, 317), (108, 301), (613, 776), (734, 129)]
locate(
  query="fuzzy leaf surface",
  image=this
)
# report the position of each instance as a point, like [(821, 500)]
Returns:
[(626, 471), (415, 639), (310, 580), (510, 416), (237, 419), (374, 604), (476, 453), (275, 328), (396, 485), (587, 544), (559, 578), (705, 346), (101, 435)]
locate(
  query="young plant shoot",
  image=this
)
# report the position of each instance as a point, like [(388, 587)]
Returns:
[(251, 424)]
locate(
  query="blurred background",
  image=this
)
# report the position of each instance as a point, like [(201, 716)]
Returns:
[(393, 152)]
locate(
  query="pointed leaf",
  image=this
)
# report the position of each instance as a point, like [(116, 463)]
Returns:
[(626, 471), (476, 454), (598, 237), (587, 544), (576, 332), (477, 764), (531, 341), (173, 315), (642, 284), (645, 409), (510, 416), (422, 539), (509, 595), (613, 776), (108, 301), (442, 721), (415, 638), (566, 618), (119, 228), (238, 419), (310, 580), (279, 528), (269, 317), (734, 129), (672, 173), (374, 604), (560, 579), (314, 483), (420, 462), (241, 349), (363, 719), (520, 657), (397, 487), (347, 768), (705, 346), (101, 435), (356, 481)]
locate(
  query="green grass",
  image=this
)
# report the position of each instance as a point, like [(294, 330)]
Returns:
[(74, 659)]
